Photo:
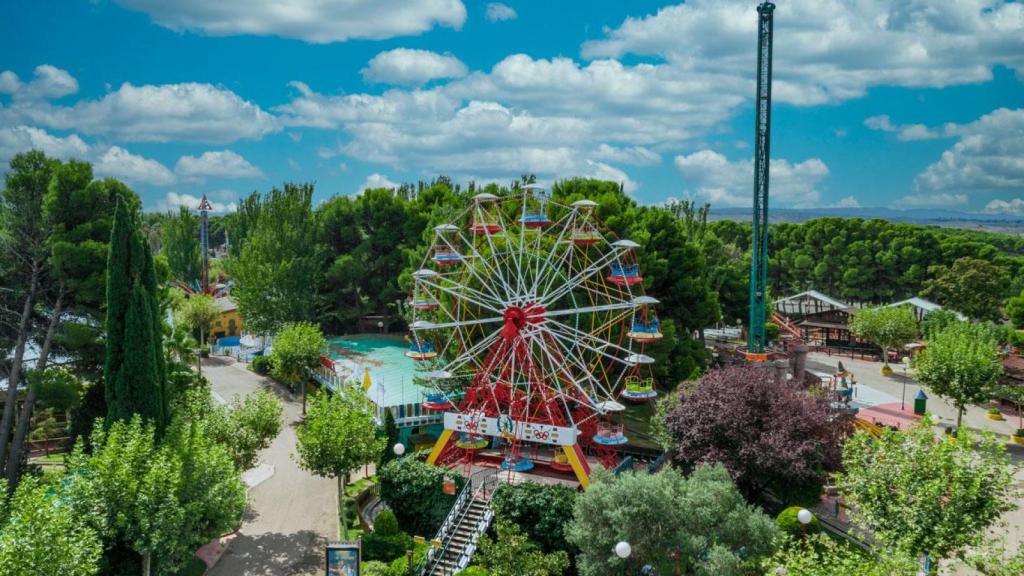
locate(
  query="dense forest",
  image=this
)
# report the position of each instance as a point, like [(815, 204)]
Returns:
[(351, 256)]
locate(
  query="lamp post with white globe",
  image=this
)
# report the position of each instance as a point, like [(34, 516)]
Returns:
[(398, 449), (805, 517), (623, 550)]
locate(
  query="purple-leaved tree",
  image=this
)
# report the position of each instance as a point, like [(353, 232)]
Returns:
[(769, 435)]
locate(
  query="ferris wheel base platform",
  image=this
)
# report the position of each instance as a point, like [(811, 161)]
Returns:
[(575, 460)]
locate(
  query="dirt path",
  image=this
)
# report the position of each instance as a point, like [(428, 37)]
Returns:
[(291, 513)]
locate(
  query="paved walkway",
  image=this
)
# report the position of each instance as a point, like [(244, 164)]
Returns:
[(890, 388), (291, 513)]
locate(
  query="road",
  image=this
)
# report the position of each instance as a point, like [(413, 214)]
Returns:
[(291, 513)]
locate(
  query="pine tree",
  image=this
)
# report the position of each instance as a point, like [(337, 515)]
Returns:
[(134, 371)]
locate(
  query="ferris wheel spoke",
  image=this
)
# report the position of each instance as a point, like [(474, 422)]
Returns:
[(562, 364), (590, 309), (471, 354), (477, 257), (456, 323), (559, 242), (599, 344), (462, 295), (583, 275)]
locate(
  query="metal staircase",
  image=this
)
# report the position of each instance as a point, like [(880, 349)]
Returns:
[(470, 517)]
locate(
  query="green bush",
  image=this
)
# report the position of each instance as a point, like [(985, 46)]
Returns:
[(385, 548), (400, 566), (790, 524), (261, 365), (386, 524), (474, 571), (375, 568), (414, 491), (540, 510)]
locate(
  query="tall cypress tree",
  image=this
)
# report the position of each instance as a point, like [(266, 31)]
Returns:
[(133, 369)]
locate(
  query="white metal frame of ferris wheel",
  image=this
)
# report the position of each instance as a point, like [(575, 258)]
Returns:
[(522, 274)]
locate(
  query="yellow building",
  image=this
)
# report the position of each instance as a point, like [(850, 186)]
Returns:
[(230, 322)]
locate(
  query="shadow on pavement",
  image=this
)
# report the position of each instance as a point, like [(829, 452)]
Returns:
[(272, 554)]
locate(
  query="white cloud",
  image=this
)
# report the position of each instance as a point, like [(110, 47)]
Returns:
[(173, 200), (187, 112), (119, 163), (1012, 206), (48, 82), (725, 182), (223, 164), (318, 21), (636, 155), (944, 200), (904, 132), (832, 50), (406, 66), (602, 171), (113, 161), (377, 181), (988, 156), (497, 12), (847, 202), (24, 138)]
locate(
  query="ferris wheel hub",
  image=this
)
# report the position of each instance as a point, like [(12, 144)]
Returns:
[(517, 318)]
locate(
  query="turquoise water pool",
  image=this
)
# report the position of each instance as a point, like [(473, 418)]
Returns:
[(390, 370)]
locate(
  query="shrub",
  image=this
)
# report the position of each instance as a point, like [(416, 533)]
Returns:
[(261, 365), (540, 510), (375, 568), (474, 571), (414, 491), (386, 524), (994, 411), (385, 548), (788, 522), (1019, 432)]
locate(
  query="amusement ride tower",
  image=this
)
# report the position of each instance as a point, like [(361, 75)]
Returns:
[(762, 141)]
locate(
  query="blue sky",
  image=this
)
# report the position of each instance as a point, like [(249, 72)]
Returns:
[(877, 102)]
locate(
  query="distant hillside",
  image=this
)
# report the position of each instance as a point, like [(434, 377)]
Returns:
[(1005, 223)]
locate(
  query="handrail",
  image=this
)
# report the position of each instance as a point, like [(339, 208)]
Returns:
[(483, 480)]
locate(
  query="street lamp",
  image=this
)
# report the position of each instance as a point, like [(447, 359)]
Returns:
[(398, 449), (805, 517), (623, 550), (903, 396)]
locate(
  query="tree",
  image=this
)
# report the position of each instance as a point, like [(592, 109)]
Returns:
[(961, 362), (697, 524), (297, 350), (163, 501), (338, 435), (25, 184), (540, 510), (133, 368), (888, 327), (199, 313), (414, 491), (974, 286), (1015, 310), (40, 536), (822, 555), (179, 235), (919, 494), (245, 427), (936, 320), (769, 434), (57, 387), (278, 270), (511, 553), (392, 436)]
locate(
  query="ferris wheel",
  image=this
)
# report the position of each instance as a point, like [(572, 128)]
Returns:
[(530, 322)]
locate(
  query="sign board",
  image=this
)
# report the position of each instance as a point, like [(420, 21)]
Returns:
[(505, 427), (343, 559)]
